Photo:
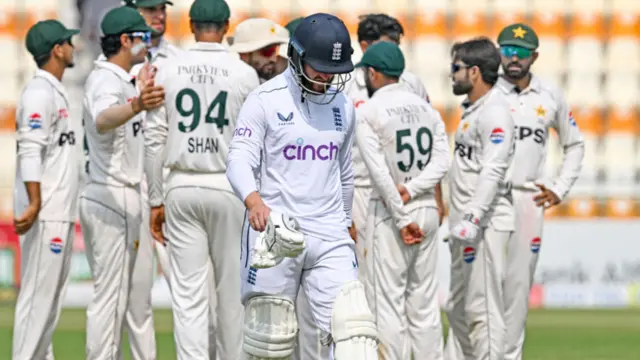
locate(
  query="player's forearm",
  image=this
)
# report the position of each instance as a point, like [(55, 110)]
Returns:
[(254, 199), (438, 196), (432, 174), (33, 192), (486, 190), (347, 198), (153, 170), (570, 170), (241, 177), (115, 116)]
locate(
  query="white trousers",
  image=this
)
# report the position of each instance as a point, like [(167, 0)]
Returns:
[(45, 258), (320, 272), (204, 226), (476, 315), (522, 258), (110, 219), (402, 287)]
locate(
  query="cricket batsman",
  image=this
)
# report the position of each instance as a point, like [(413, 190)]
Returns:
[(404, 146), (538, 107), (110, 202), (481, 214), (373, 28), (290, 163), (190, 135), (45, 191)]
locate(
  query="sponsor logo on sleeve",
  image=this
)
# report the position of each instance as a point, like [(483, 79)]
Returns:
[(572, 120), (243, 131), (497, 136), (35, 121)]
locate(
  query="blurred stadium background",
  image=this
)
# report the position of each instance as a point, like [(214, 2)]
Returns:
[(590, 255)]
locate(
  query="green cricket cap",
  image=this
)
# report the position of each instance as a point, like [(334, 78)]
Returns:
[(209, 11), (123, 20), (44, 35), (293, 25), (147, 3), (385, 57), (518, 35)]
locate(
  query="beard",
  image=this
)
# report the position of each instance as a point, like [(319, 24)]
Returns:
[(462, 87), (370, 89), (517, 71)]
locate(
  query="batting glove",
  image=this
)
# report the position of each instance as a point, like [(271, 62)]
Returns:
[(282, 238), (467, 230)]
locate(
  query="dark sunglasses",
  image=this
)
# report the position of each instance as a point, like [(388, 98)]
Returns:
[(519, 52), (268, 51), (64, 41), (457, 67)]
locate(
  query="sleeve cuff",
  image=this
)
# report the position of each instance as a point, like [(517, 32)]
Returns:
[(31, 169), (558, 191)]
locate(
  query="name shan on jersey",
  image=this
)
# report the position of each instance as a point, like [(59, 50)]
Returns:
[(202, 73), (202, 145)]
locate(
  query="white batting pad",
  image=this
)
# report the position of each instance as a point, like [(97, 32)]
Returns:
[(352, 326), (270, 328), (281, 239)]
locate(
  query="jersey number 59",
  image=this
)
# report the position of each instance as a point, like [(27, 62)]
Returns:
[(422, 141), (195, 110)]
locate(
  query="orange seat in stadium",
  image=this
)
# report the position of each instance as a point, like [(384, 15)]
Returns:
[(467, 25), (619, 151), (589, 121), (582, 207), (623, 50), (586, 36), (621, 208), (431, 55), (551, 31)]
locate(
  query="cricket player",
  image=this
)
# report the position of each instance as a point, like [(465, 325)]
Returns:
[(257, 41), (110, 202), (405, 148), (45, 191), (290, 162), (190, 135), (537, 106), (481, 214), (371, 29)]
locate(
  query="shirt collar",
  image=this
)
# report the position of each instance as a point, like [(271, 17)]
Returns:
[(469, 108), (120, 72), (386, 89), (508, 87), (358, 75), (52, 80), (207, 46)]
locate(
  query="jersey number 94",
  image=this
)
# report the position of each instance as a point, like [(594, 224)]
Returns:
[(189, 105)]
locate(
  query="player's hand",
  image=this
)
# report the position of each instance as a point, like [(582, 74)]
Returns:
[(258, 212), (156, 219), (404, 193), (411, 234), (25, 222), (353, 232), (546, 198), (151, 97), (147, 73)]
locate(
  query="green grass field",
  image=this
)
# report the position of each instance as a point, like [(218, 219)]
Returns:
[(551, 335)]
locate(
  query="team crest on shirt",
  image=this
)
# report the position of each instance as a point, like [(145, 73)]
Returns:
[(535, 245), (469, 254), (465, 126), (136, 244), (35, 121), (337, 118), (285, 120), (497, 136), (56, 245)]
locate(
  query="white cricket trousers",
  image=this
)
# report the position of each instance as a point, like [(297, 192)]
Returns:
[(309, 335), (476, 315), (204, 226), (403, 288), (522, 258), (45, 258), (110, 218)]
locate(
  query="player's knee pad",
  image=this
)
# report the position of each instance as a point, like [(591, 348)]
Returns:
[(352, 327), (270, 328)]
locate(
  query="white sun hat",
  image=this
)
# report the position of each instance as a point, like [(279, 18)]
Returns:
[(257, 33)]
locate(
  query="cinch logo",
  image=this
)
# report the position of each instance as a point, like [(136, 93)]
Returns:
[(242, 132), (310, 152)]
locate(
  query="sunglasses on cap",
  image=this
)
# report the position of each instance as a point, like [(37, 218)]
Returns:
[(144, 36), (517, 51), (268, 51)]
